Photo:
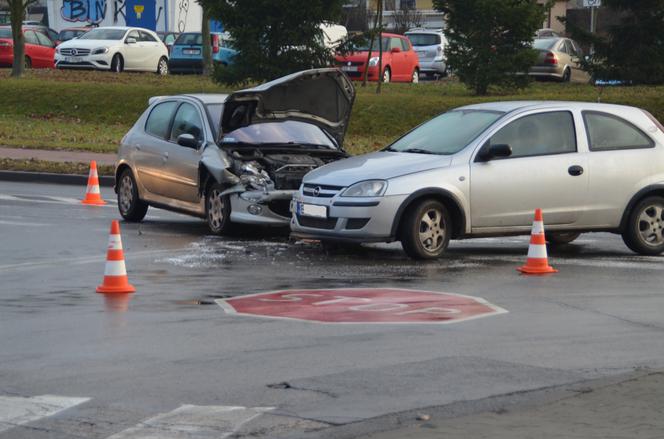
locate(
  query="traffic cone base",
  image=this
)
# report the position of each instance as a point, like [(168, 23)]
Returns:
[(92, 192), (115, 273), (538, 260)]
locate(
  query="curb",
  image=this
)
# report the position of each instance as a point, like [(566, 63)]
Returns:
[(47, 177)]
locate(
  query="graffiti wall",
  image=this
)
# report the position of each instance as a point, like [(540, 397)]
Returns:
[(158, 15)]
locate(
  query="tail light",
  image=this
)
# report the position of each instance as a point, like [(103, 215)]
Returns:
[(215, 43), (550, 58), (655, 121), (6, 44)]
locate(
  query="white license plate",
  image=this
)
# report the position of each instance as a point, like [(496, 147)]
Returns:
[(73, 59), (191, 52), (349, 68), (312, 210)]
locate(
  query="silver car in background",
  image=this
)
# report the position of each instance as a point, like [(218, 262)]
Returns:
[(429, 44), (482, 170), (234, 158)]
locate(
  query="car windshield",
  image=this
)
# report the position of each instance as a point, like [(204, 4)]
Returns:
[(69, 34), (364, 47), (189, 39), (5, 33), (104, 34), (544, 43), (446, 134), (424, 39), (286, 132)]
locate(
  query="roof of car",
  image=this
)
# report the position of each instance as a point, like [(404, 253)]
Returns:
[(209, 98), (509, 106)]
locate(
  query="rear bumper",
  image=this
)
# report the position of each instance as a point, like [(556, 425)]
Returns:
[(185, 66), (554, 71), (438, 67)]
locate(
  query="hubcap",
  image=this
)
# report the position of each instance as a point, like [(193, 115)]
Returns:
[(651, 223), (216, 209), (163, 67), (386, 76), (432, 230), (126, 194), (416, 78)]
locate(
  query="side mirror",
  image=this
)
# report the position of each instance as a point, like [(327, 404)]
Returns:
[(395, 50), (489, 152), (188, 141), (130, 40)]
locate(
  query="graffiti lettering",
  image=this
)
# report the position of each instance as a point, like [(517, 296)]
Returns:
[(88, 11), (183, 10)]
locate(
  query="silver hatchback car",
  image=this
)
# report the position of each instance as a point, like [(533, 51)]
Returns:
[(482, 170)]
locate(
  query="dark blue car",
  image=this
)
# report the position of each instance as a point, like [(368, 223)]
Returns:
[(187, 52)]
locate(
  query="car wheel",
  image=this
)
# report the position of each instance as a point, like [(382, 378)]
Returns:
[(217, 210), (425, 231), (415, 77), (131, 207), (644, 233), (387, 75), (117, 63), (561, 238), (27, 63), (162, 67), (567, 75)]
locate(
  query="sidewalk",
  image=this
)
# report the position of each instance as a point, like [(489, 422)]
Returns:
[(632, 408), (58, 156)]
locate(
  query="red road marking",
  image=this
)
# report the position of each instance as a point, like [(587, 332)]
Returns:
[(362, 305)]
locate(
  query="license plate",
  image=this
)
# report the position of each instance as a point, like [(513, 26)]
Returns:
[(73, 59), (311, 210), (349, 68), (191, 52)]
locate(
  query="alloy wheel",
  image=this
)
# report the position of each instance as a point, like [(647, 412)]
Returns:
[(126, 194), (216, 210), (651, 224), (432, 230)]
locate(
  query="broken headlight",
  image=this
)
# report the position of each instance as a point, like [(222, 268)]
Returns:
[(253, 176)]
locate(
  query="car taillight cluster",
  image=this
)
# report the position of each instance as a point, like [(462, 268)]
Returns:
[(6, 44), (550, 58), (215, 43)]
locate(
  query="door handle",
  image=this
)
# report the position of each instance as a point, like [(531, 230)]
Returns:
[(138, 147), (575, 170)]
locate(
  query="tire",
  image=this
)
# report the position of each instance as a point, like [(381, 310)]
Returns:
[(561, 238), (131, 207), (567, 75), (162, 66), (387, 75), (117, 63), (425, 231), (217, 210), (415, 77), (27, 63), (644, 233)]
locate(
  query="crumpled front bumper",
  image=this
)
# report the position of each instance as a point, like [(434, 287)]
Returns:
[(271, 208)]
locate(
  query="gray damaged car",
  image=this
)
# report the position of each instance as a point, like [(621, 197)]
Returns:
[(234, 158)]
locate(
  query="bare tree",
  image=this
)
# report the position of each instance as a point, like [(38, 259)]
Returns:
[(407, 18), (374, 31), (380, 45), (207, 41), (17, 10)]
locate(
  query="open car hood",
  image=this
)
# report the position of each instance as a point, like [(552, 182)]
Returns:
[(323, 97)]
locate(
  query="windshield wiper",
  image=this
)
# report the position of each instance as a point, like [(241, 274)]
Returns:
[(418, 151)]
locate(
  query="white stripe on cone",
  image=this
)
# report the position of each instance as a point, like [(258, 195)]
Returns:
[(94, 189), (93, 173), (114, 242), (115, 268), (538, 228), (537, 251)]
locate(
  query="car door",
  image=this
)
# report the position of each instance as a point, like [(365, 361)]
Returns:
[(132, 51), (47, 50), (544, 171), (32, 49), (150, 52), (179, 176), (621, 155), (411, 59), (152, 146), (398, 60)]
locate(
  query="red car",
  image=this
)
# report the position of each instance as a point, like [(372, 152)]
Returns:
[(39, 49), (400, 62)]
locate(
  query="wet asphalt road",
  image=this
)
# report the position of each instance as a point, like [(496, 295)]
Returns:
[(171, 345)]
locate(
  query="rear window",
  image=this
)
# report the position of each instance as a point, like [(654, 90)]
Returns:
[(544, 43), (189, 39), (608, 132), (424, 39), (5, 33)]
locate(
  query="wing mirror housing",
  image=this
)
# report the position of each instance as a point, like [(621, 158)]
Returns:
[(395, 50), (489, 152), (130, 40), (188, 141)]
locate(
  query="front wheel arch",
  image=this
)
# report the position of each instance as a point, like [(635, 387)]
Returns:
[(118, 172), (449, 201)]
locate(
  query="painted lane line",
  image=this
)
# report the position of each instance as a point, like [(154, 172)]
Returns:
[(192, 421), (16, 410), (22, 224), (48, 199)]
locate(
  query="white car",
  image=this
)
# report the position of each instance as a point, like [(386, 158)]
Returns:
[(115, 49)]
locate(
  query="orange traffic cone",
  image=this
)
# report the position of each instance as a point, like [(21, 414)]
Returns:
[(538, 261), (92, 193), (115, 274)]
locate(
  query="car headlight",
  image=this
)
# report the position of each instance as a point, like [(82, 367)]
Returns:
[(373, 62), (100, 50), (369, 188), (255, 181)]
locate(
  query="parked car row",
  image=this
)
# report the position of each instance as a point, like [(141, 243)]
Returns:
[(273, 156)]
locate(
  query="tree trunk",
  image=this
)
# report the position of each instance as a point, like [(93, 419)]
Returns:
[(373, 36), (17, 11), (380, 46), (207, 42)]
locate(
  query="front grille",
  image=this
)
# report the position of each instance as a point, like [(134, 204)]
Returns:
[(320, 190), (354, 74), (317, 223), (356, 223), (352, 63), (280, 207), (75, 52)]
